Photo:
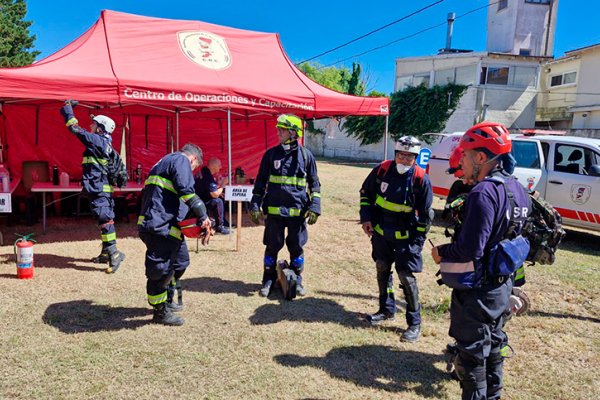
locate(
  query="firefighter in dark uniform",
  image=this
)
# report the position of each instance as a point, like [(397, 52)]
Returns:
[(167, 197), (395, 212), (95, 180), (480, 299), (287, 190)]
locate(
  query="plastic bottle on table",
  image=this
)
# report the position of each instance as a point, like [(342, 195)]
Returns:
[(4, 179), (55, 179)]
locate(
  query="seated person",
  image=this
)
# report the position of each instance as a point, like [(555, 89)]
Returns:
[(210, 190)]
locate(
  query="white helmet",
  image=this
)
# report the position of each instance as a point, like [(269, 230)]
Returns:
[(408, 144), (106, 123)]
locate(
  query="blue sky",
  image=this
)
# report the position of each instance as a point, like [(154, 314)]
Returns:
[(313, 27)]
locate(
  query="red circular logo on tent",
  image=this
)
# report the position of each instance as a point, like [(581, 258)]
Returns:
[(205, 49)]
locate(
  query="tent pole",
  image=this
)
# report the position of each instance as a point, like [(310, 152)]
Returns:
[(176, 129), (230, 182), (385, 138)]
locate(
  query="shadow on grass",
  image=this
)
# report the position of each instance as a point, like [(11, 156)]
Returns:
[(564, 316), (84, 316), (60, 262), (350, 295), (581, 242), (380, 368), (310, 309), (219, 286)]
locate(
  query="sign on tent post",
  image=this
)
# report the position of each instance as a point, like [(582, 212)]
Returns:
[(238, 193)]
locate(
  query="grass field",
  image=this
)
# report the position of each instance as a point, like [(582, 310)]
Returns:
[(74, 332)]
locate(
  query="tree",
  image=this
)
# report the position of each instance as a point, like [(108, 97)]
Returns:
[(339, 79), (413, 111), (16, 43)]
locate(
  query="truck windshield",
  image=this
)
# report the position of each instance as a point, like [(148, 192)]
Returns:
[(526, 154)]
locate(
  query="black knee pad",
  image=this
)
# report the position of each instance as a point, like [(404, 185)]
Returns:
[(408, 283)]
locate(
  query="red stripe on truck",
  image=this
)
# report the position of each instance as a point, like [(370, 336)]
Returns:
[(579, 215), (440, 190)]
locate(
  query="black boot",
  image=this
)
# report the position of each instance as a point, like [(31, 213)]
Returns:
[(380, 316), (164, 315), (116, 258), (102, 258), (175, 307), (266, 288), (411, 334)]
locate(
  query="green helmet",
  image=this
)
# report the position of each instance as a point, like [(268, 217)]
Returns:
[(290, 121)]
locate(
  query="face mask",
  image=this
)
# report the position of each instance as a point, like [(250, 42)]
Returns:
[(402, 169)]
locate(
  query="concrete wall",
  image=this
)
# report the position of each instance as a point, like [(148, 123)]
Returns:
[(521, 25), (335, 144)]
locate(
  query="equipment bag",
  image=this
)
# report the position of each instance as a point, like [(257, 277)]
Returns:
[(544, 231), (116, 171), (288, 280)]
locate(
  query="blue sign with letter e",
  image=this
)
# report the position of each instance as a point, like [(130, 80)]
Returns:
[(423, 158)]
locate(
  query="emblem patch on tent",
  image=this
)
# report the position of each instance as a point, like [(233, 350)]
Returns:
[(205, 49)]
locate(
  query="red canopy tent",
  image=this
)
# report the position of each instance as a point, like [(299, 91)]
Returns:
[(165, 83)]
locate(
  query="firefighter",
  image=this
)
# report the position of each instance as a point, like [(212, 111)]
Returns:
[(287, 190), (395, 212), (167, 197), (95, 180), (480, 297)]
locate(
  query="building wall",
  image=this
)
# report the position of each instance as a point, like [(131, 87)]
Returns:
[(522, 25), (554, 102), (501, 26), (586, 112), (335, 144)]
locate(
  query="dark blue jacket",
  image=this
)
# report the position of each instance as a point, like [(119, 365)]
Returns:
[(486, 220), (169, 186), (398, 206), (95, 157), (287, 183), (205, 184)]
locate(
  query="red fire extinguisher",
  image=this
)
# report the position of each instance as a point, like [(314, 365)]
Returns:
[(24, 253)]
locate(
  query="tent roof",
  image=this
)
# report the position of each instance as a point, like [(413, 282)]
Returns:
[(129, 59)]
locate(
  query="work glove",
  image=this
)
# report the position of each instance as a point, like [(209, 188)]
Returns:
[(311, 217), (255, 216), (72, 103)]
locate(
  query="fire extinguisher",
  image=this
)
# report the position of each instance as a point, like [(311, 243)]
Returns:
[(24, 253)]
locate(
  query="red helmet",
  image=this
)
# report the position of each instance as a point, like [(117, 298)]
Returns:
[(189, 228), (491, 136), (454, 163)]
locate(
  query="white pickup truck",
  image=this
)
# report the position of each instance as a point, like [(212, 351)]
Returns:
[(564, 169)]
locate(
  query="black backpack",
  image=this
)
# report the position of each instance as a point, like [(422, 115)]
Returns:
[(116, 172), (544, 231)]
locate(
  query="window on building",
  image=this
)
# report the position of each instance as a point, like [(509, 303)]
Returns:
[(443, 77), (538, 1), (524, 52), (494, 75), (563, 79), (502, 4), (421, 80)]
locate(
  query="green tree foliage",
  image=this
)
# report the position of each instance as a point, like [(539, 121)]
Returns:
[(339, 79), (16, 43), (413, 111)]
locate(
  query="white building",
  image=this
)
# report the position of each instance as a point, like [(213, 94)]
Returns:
[(570, 91), (523, 27), (502, 87)]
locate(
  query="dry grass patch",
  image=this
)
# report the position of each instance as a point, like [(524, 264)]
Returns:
[(74, 332)]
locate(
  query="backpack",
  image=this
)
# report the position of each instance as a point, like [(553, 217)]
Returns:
[(417, 176), (115, 169), (544, 231)]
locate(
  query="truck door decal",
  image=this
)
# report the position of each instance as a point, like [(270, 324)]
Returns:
[(580, 194)]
